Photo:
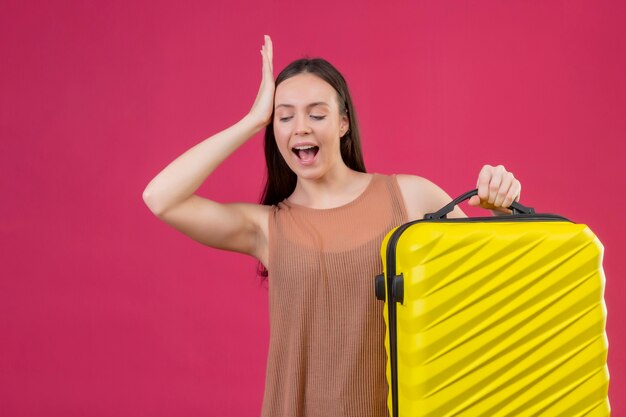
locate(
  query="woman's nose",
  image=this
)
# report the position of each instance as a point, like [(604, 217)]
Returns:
[(302, 127)]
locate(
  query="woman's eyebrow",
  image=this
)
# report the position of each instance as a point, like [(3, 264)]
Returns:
[(317, 103)]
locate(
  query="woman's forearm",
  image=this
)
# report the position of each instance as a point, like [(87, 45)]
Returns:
[(183, 176)]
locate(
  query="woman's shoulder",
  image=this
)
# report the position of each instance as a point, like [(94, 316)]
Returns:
[(413, 182), (420, 195)]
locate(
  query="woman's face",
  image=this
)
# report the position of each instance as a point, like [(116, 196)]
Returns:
[(308, 125)]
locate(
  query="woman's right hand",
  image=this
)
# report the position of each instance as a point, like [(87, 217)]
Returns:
[(263, 105)]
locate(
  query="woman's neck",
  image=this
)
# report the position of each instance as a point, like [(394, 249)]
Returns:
[(333, 190)]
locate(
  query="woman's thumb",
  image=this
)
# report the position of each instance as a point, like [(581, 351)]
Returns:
[(474, 201)]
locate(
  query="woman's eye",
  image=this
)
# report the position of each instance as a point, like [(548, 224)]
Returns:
[(317, 117), (284, 119)]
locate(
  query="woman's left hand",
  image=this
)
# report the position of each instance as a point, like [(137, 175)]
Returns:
[(497, 189)]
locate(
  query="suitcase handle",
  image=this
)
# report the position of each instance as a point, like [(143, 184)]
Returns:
[(515, 207)]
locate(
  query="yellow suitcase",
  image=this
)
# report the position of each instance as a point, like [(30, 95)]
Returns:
[(494, 316)]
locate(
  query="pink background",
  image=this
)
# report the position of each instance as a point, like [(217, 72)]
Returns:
[(106, 311)]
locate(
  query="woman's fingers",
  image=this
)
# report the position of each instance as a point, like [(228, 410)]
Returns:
[(503, 190), (484, 178), (497, 188), (263, 106), (513, 193), (497, 184), (267, 52), (270, 52)]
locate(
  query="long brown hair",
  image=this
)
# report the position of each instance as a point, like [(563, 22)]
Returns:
[(280, 180)]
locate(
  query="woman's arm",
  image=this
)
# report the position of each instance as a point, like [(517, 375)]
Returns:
[(422, 196), (170, 195), (497, 188), (183, 176)]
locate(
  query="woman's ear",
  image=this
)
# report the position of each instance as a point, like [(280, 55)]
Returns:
[(344, 125)]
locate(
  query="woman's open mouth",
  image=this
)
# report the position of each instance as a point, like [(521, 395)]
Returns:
[(306, 154)]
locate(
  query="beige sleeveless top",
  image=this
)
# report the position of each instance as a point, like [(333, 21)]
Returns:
[(326, 354)]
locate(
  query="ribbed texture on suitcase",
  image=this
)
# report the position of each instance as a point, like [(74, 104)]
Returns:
[(501, 319)]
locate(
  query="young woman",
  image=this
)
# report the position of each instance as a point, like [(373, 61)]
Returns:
[(318, 233)]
